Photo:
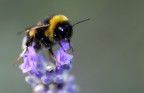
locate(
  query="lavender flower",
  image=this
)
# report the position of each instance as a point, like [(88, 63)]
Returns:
[(45, 77), (30, 61), (63, 58)]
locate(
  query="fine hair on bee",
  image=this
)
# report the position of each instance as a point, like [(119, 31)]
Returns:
[(47, 33)]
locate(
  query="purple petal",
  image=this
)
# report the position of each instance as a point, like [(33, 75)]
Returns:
[(45, 79), (63, 57), (59, 79), (30, 61), (25, 67), (65, 45)]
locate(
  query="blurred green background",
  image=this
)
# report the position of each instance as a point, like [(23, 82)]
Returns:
[(109, 49)]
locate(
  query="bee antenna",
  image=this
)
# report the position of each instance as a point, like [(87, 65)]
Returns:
[(80, 22)]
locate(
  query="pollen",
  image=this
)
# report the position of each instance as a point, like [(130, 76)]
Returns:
[(32, 32)]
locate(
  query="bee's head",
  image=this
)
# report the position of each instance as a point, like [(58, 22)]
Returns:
[(63, 31)]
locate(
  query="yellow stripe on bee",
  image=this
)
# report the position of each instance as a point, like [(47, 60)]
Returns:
[(32, 32), (53, 22)]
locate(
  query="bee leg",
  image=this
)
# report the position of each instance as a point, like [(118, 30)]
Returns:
[(28, 43), (70, 46), (62, 47), (21, 54), (53, 55)]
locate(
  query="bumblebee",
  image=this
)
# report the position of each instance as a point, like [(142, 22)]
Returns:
[(49, 32)]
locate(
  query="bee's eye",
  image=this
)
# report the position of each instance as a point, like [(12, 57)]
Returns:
[(60, 29), (63, 30)]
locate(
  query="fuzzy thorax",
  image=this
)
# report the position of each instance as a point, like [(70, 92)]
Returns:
[(53, 22)]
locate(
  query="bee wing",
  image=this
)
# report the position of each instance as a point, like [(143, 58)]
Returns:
[(25, 30), (43, 23), (39, 25)]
